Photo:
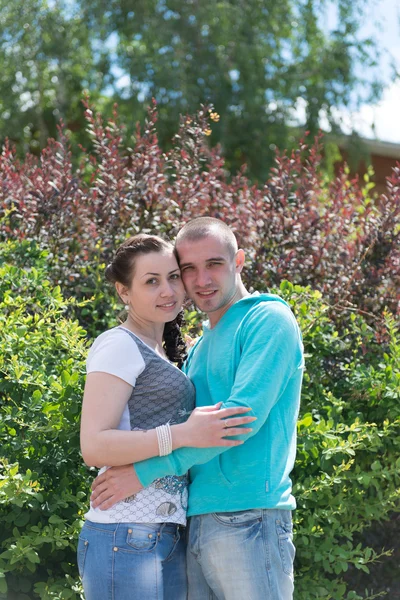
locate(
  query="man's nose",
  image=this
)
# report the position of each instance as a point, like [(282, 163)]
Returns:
[(203, 278)]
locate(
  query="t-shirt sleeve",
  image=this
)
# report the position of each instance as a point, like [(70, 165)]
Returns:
[(116, 352)]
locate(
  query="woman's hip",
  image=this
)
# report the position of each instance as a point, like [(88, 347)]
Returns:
[(121, 561)]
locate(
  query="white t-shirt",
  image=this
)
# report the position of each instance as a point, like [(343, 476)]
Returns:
[(116, 353)]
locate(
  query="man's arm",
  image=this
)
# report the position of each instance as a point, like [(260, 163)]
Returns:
[(270, 345)]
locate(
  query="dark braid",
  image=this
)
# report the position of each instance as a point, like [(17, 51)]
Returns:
[(174, 344)]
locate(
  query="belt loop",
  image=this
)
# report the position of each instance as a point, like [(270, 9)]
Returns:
[(177, 533), (160, 532)]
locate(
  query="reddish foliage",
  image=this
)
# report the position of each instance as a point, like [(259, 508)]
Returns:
[(296, 226)]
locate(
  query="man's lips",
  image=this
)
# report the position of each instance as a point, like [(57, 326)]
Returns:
[(206, 293)]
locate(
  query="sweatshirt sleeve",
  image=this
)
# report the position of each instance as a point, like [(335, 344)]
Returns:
[(271, 353)]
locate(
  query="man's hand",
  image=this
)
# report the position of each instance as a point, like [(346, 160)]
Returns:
[(115, 484)]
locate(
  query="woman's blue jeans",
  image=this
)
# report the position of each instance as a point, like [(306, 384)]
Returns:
[(132, 561)]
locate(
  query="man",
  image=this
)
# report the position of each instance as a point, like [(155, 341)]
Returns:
[(240, 536)]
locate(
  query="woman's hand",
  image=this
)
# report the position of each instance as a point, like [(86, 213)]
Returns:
[(209, 426)]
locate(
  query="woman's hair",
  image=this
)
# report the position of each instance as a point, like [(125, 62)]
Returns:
[(122, 269)]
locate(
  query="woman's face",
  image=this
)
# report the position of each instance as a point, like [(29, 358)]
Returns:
[(156, 292)]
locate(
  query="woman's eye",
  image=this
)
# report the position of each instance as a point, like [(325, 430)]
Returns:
[(151, 281), (175, 276)]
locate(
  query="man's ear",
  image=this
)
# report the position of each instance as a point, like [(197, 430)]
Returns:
[(240, 258), (122, 292)]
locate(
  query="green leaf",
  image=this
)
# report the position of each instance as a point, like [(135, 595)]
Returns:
[(22, 519), (65, 377), (306, 421), (55, 520), (33, 557), (376, 466)]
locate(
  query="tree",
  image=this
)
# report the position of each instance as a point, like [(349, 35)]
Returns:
[(252, 59), (46, 61)]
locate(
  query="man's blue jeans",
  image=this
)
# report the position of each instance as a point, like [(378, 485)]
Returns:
[(132, 561), (241, 555)]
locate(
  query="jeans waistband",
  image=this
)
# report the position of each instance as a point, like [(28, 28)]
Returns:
[(157, 527)]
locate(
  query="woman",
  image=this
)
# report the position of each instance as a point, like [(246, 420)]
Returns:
[(138, 404)]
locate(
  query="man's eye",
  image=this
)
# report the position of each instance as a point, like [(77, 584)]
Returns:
[(185, 269)]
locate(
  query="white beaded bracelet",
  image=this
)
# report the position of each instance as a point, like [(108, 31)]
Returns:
[(164, 437)]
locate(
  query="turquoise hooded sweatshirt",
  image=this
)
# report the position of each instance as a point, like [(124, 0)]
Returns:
[(252, 357)]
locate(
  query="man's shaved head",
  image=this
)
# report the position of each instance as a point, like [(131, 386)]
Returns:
[(200, 228)]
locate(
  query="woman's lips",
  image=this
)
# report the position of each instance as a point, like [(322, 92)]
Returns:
[(167, 306)]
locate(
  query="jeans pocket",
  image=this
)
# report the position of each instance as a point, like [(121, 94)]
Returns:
[(284, 530), (83, 546), (142, 539), (240, 518)]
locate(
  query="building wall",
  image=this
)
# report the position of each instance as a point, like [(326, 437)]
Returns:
[(382, 159)]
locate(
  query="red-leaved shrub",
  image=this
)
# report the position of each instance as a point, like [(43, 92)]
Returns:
[(333, 235)]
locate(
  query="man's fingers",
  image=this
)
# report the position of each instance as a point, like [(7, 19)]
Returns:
[(99, 480), (109, 503), (100, 489), (100, 498)]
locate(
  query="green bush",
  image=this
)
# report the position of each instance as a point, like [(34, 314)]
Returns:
[(346, 475), (347, 469), (43, 485)]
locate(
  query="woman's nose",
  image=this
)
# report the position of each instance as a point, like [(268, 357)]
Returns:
[(167, 289)]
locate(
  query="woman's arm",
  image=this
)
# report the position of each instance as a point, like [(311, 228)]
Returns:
[(104, 400)]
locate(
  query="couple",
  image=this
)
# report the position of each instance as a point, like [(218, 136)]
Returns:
[(244, 375)]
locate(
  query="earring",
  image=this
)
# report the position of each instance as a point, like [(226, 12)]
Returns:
[(126, 307)]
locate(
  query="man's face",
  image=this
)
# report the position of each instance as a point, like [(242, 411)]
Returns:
[(209, 273)]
